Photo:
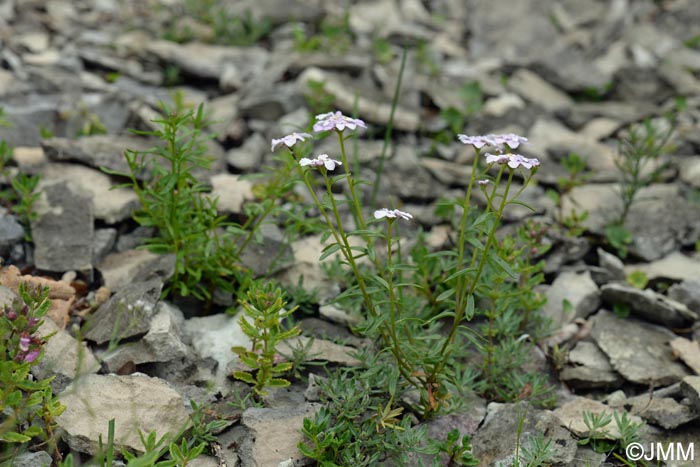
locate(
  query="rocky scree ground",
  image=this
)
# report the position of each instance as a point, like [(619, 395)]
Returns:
[(568, 75)]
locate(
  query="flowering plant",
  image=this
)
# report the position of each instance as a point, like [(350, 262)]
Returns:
[(403, 305)]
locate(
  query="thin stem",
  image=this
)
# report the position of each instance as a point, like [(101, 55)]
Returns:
[(392, 295), (359, 220), (475, 281), (461, 280), (389, 128)]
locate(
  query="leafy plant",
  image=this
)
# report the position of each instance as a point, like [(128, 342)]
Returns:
[(206, 246), (28, 408), (638, 279), (333, 36), (25, 191), (599, 438), (458, 451), (264, 309)]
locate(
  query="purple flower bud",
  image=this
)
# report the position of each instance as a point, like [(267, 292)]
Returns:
[(25, 310), (31, 356), (24, 342), (32, 322), (12, 315)]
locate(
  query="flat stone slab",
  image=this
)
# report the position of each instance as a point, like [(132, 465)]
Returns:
[(571, 296), (135, 402), (640, 352), (676, 266), (649, 305), (688, 351), (571, 416), (126, 314), (589, 368), (63, 231)]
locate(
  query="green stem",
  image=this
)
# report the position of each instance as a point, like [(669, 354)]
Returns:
[(389, 128), (460, 312)]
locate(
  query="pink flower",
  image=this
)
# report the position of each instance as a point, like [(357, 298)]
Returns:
[(513, 160), (498, 142), (496, 158), (24, 342), (290, 139), (321, 160), (336, 121), (392, 214), (31, 356)]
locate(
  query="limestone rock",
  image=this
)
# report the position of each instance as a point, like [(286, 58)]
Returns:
[(135, 402)]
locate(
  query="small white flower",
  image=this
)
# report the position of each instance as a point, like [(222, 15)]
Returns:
[(483, 182), (391, 214), (290, 139), (321, 160)]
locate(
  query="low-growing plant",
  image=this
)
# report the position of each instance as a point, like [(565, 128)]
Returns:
[(28, 407), (641, 145), (207, 246), (575, 167), (356, 427), (599, 438), (263, 313), (24, 187), (484, 274), (456, 448), (333, 36)]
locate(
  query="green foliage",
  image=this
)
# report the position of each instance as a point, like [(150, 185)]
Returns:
[(641, 145), (22, 196), (28, 408), (638, 279), (317, 98), (619, 238), (537, 453), (226, 28), (382, 49), (354, 429), (264, 309), (599, 437), (333, 36), (206, 246), (25, 191), (458, 451)]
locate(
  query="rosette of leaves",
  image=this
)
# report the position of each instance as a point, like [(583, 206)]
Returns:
[(263, 312)]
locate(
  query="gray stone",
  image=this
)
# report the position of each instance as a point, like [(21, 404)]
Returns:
[(538, 91), (688, 351), (274, 434), (96, 151), (675, 266), (407, 165), (11, 232), (120, 269), (347, 99), (269, 104), (63, 231), (127, 313), (690, 387), (135, 402), (210, 61), (65, 358), (32, 459), (638, 351), (656, 230), (690, 170), (661, 411), (589, 368), (109, 204), (320, 349), (250, 155), (213, 336), (613, 264), (688, 293), (162, 342), (649, 305), (571, 296), (256, 255), (331, 312), (232, 192), (571, 415), (103, 242), (28, 114), (494, 443), (313, 391)]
